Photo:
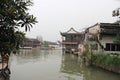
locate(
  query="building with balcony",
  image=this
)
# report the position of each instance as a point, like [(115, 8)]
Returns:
[(71, 40), (101, 37)]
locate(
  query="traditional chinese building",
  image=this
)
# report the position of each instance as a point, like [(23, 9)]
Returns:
[(101, 36), (30, 43), (71, 40)]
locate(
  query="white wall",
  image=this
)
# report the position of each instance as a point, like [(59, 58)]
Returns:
[(107, 39), (94, 29)]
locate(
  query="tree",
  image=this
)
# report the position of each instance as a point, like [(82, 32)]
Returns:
[(13, 14), (20, 36)]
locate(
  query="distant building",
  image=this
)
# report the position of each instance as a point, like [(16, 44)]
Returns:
[(71, 40), (101, 37), (30, 43), (49, 45)]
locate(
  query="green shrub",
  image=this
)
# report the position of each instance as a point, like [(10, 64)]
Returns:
[(106, 59)]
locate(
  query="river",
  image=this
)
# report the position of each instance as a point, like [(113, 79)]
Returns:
[(53, 65)]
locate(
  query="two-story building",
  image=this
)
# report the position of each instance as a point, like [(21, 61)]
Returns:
[(101, 37), (71, 40)]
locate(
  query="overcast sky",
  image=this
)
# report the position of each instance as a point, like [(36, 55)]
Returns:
[(54, 16)]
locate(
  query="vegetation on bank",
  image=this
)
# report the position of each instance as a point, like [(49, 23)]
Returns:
[(106, 59), (108, 62)]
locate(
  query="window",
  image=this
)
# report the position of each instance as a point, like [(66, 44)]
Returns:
[(118, 48), (112, 47), (107, 47)]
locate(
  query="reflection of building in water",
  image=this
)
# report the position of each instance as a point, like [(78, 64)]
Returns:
[(72, 67), (26, 55), (70, 64), (31, 55)]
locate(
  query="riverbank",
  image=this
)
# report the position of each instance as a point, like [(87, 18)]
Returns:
[(105, 61), (112, 68), (109, 62)]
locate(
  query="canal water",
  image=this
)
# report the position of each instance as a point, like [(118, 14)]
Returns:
[(53, 65)]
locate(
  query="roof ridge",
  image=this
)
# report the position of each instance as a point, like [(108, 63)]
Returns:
[(72, 29)]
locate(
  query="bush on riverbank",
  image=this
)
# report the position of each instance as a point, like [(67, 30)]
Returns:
[(108, 62), (106, 59)]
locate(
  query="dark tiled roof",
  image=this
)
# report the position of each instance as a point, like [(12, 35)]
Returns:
[(70, 31), (109, 28), (110, 25)]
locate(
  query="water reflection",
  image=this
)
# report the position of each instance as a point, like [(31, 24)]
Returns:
[(35, 55), (36, 65), (73, 66), (53, 65)]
